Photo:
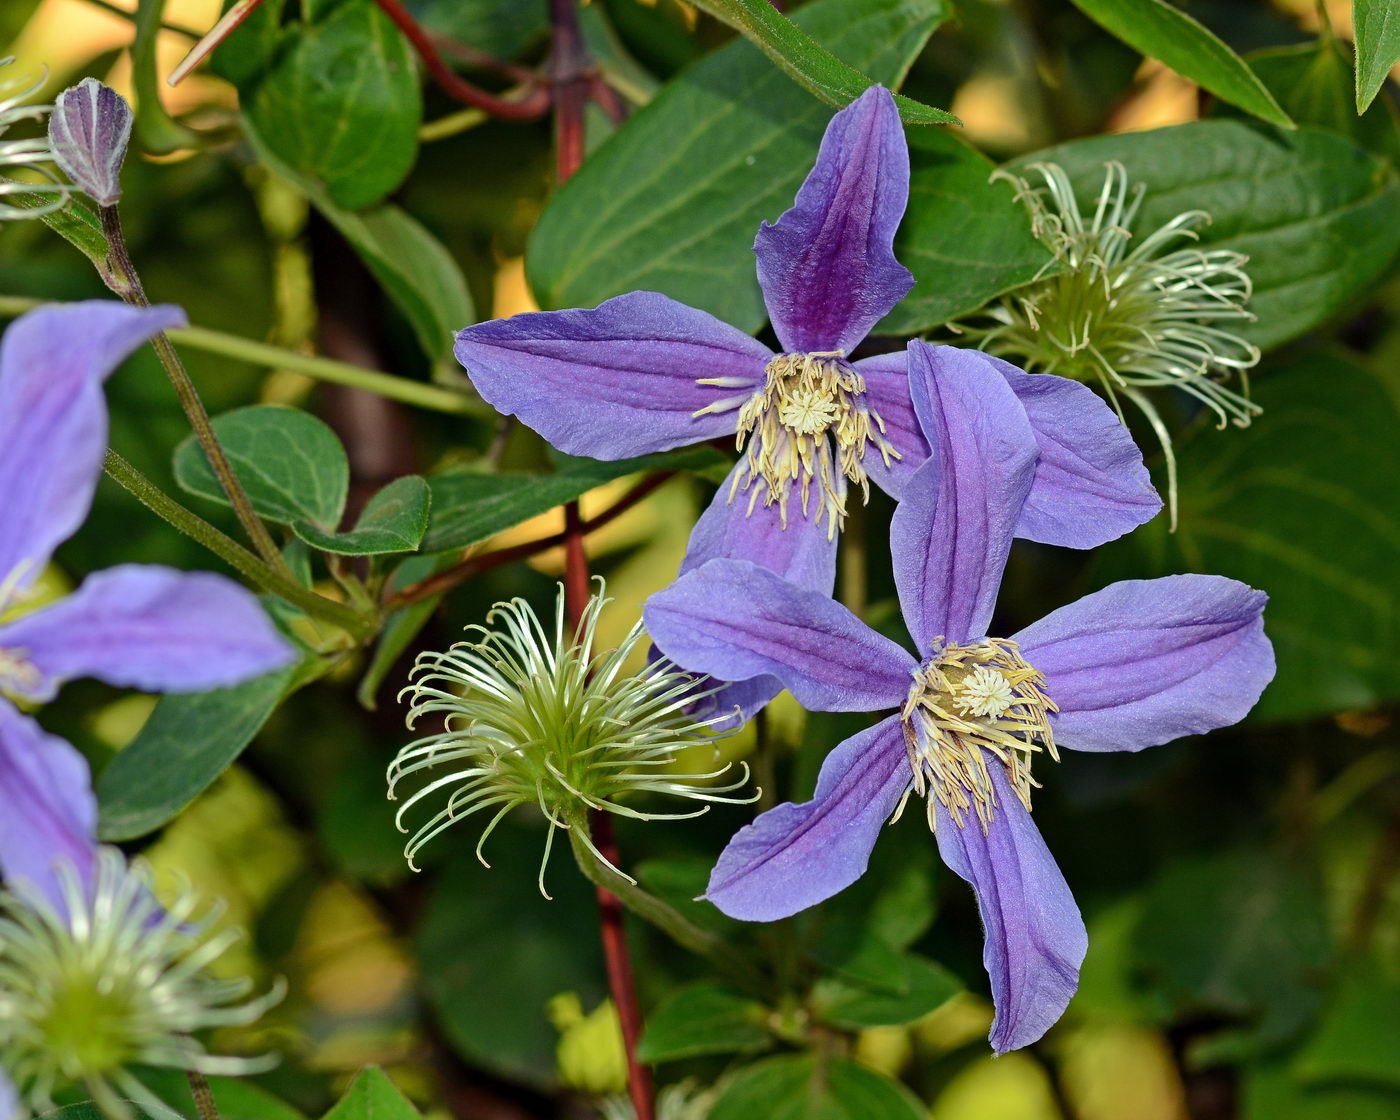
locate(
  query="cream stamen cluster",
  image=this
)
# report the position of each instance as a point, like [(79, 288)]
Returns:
[(970, 707)]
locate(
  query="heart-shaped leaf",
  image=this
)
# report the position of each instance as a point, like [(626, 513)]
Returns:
[(394, 520)]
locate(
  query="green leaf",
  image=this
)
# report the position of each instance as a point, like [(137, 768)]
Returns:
[(671, 202), (807, 62), (1318, 217), (469, 508), (1377, 25), (503, 30), (394, 520), (341, 103), (926, 986), (75, 223), (236, 1097), (1270, 1091), (1160, 31), (705, 1018), (809, 1088), (1277, 506), (291, 464), (372, 1096), (188, 741), (965, 239), (88, 1110), (1355, 1041)]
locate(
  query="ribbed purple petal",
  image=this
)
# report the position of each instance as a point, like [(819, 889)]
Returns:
[(951, 534), (616, 381), (827, 267), (150, 628), (50, 815), (53, 420), (1147, 661), (1035, 938), (794, 856), (887, 394), (733, 620)]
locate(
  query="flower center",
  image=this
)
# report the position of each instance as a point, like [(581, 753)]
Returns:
[(808, 423), (970, 707), (18, 675)]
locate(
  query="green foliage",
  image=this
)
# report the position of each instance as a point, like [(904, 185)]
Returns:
[(704, 1019), (372, 1096), (393, 520), (808, 1088), (1377, 46)]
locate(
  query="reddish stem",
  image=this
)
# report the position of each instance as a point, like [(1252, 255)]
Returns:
[(620, 979), (535, 104)]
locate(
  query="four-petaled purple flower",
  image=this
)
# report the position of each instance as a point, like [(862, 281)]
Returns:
[(1137, 664), (134, 626), (643, 373)]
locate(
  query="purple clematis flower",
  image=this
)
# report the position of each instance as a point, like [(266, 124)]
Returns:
[(643, 373), (1139, 663), (135, 626)]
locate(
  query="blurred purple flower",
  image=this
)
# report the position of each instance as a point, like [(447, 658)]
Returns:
[(89, 130), (643, 373), (134, 626), (1137, 664)]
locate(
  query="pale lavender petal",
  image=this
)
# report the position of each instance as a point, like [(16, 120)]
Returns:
[(887, 394), (827, 267), (1090, 483), (619, 380), (951, 534), (733, 620), (150, 628), (9, 1100), (50, 813), (1144, 662), (1034, 936), (89, 130), (794, 856), (53, 420)]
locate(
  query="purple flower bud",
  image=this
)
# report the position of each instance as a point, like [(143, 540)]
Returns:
[(89, 130)]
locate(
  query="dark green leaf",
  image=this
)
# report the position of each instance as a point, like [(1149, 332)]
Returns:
[(75, 223), (1271, 1092), (809, 1088), (188, 741), (810, 64), (291, 464), (1277, 506), (1355, 1041), (703, 1019), (672, 201), (1377, 24), (1158, 30), (372, 1096), (87, 1111), (853, 951), (926, 986), (1318, 217), (394, 520), (965, 238), (341, 104), (503, 30)]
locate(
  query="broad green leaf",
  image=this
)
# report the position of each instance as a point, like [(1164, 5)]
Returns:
[(1318, 217), (188, 741), (469, 508), (1279, 506), (88, 1110), (1355, 1039), (926, 986), (341, 103), (812, 1088), (291, 464), (75, 223), (672, 201), (965, 238), (1377, 25), (854, 952), (372, 1096), (490, 26), (236, 1097), (705, 1018), (394, 520), (1158, 30), (810, 64), (1271, 1091)]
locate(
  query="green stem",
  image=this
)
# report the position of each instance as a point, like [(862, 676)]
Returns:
[(231, 552), (202, 1094), (130, 289), (664, 916)]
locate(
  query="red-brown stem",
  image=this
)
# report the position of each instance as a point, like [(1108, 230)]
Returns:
[(620, 980), (535, 104)]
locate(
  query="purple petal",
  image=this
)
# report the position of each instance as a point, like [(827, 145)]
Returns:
[(733, 620), (50, 813), (951, 534), (53, 420), (619, 380), (150, 628), (1144, 662), (794, 856), (9, 1100), (1035, 938), (827, 267), (887, 394), (89, 130)]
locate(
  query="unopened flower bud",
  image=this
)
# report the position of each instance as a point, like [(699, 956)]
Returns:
[(89, 130)]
